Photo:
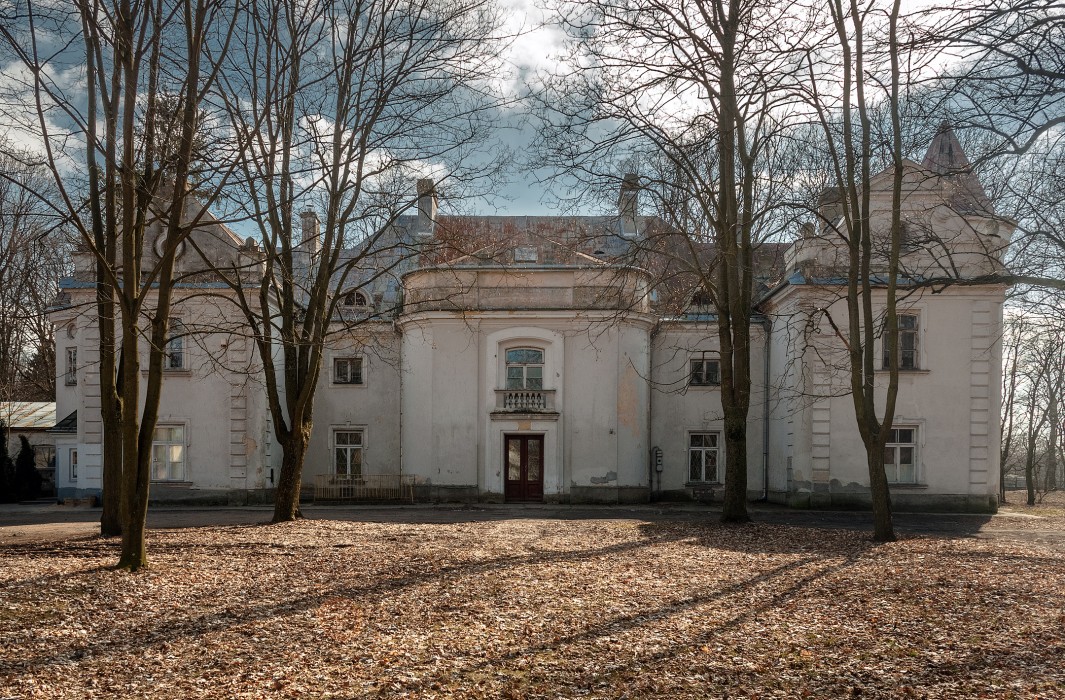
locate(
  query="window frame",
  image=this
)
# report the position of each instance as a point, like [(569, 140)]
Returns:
[(348, 448), (184, 444), (914, 332), (701, 299), (896, 445), (706, 359), (524, 367), (718, 449), (71, 373), (72, 463), (175, 336), (526, 254), (359, 365), (355, 298)]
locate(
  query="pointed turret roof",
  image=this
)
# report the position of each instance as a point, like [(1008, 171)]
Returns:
[(945, 155), (946, 158)]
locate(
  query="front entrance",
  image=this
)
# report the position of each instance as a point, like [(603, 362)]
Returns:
[(524, 455)]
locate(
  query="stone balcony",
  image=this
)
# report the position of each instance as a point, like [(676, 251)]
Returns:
[(525, 402)]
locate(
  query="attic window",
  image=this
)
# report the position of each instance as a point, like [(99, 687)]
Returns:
[(908, 241), (701, 298), (525, 254), (354, 299)]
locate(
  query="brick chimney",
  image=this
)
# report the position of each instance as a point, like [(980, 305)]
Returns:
[(426, 207), (310, 237), (628, 203)]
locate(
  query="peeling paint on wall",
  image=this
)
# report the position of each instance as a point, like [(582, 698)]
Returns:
[(605, 479)]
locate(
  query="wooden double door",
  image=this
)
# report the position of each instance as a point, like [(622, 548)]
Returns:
[(524, 467)]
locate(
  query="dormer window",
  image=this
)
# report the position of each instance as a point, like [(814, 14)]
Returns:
[(355, 299), (526, 254), (701, 298), (525, 368)]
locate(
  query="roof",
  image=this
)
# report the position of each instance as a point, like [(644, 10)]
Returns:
[(946, 158), (28, 415), (67, 425)]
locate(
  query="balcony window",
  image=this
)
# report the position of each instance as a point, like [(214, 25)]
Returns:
[(525, 368)]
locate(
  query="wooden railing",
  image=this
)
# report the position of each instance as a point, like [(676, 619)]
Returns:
[(525, 400), (370, 487)]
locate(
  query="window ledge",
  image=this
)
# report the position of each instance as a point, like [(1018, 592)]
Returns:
[(524, 415), (175, 484), (905, 371), (908, 487), (347, 384), (704, 386), (704, 484)]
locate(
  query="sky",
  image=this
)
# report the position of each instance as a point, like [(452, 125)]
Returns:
[(535, 50)]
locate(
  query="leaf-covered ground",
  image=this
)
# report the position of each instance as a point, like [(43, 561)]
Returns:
[(533, 608)]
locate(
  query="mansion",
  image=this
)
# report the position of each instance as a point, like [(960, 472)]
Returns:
[(512, 358)]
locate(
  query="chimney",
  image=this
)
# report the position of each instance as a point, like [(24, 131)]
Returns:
[(627, 204), (426, 207), (829, 206), (310, 238)]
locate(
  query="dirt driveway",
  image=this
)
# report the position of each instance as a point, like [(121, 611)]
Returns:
[(46, 522)]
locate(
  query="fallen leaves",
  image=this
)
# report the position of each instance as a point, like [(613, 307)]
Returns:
[(525, 608)]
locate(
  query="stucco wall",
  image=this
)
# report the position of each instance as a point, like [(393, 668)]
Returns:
[(678, 409), (373, 406), (952, 399)]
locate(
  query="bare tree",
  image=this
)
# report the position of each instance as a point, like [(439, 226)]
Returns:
[(116, 183), (691, 96), (337, 107), (864, 69), (1036, 372), (34, 253)]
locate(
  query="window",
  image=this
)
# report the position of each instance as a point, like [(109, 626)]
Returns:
[(72, 367), (908, 241), (525, 368), (174, 358), (701, 298), (347, 370), (355, 299), (347, 453), (525, 255), (705, 372), (703, 453), (900, 456), (908, 356), (73, 465), (168, 453)]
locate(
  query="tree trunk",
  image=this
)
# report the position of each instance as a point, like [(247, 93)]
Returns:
[(1029, 474), (287, 497), (111, 517), (134, 479), (734, 509), (1051, 481), (883, 527)]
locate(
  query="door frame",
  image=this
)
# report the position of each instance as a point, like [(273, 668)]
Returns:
[(537, 494)]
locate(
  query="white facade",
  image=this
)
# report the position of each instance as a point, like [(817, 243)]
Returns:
[(546, 370), (212, 441)]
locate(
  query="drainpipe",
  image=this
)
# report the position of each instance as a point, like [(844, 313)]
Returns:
[(767, 324)]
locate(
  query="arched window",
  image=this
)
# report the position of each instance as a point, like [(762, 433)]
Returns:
[(525, 368), (354, 299)]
